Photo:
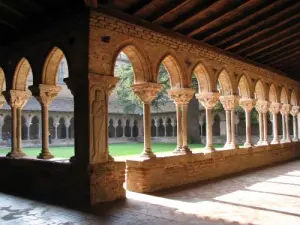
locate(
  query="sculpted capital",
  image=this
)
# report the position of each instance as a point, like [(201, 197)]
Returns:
[(275, 107), (181, 96), (247, 103), (46, 93), (208, 100), (17, 99), (285, 109), (230, 102), (146, 91), (262, 106), (294, 110)]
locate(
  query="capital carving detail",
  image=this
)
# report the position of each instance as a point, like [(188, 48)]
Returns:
[(294, 110), (17, 98), (208, 100), (285, 109), (181, 96), (262, 106), (275, 107), (230, 102), (146, 91), (47, 93), (247, 103)]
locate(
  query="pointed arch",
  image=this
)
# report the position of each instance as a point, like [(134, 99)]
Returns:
[(284, 96), (225, 83), (141, 67), (51, 65), (244, 87), (259, 91), (273, 97), (20, 76), (294, 98), (174, 70), (203, 78), (2, 81)]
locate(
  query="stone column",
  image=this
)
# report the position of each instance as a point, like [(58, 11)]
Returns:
[(208, 100), (115, 124), (262, 108), (147, 92), (56, 124), (247, 104), (124, 127), (156, 123), (274, 109), (45, 94), (283, 139), (173, 123), (1, 126), (286, 108), (67, 125), (181, 97), (16, 99), (230, 102), (165, 126), (294, 113)]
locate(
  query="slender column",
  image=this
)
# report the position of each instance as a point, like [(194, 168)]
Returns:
[(67, 125), (294, 112), (247, 104), (1, 126), (173, 128), (233, 140), (181, 98), (16, 99), (28, 131), (147, 92), (40, 129), (165, 126), (283, 128), (115, 124), (157, 127), (286, 108), (265, 119), (261, 129), (274, 109), (208, 100), (262, 108), (228, 128), (124, 127), (287, 127), (56, 133)]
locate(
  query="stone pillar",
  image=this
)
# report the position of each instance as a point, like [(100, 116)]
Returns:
[(1, 126), (56, 124), (230, 102), (45, 94), (274, 109), (115, 124), (208, 100), (67, 125), (165, 126), (16, 99), (156, 123), (181, 97), (173, 123), (262, 108), (286, 108), (247, 104), (147, 92), (124, 127), (294, 113), (283, 139)]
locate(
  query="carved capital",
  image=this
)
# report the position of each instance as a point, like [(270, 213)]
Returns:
[(262, 106), (45, 93), (230, 102), (208, 100), (107, 83), (294, 110), (17, 98), (285, 109), (146, 91), (275, 107), (247, 103), (181, 96)]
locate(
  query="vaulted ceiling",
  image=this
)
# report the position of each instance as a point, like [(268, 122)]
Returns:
[(264, 31)]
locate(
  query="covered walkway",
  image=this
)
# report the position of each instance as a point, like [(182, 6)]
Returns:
[(265, 196)]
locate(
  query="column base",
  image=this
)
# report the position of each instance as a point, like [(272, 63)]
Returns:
[(45, 155), (248, 145), (185, 150), (148, 154), (275, 142), (110, 158), (264, 143), (230, 146), (16, 154), (288, 140), (177, 150), (259, 143), (295, 139), (209, 148)]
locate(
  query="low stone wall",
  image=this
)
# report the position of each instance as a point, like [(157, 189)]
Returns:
[(171, 171), (61, 182)]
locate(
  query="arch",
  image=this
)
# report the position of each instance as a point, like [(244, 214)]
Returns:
[(127, 128), (34, 128), (153, 128), (139, 63), (216, 125), (119, 129), (225, 83), (174, 70), (169, 128), (203, 78), (161, 128), (61, 129), (2, 81), (284, 96), (111, 129), (51, 65), (273, 94), (294, 98), (20, 76), (259, 91), (135, 129), (244, 87)]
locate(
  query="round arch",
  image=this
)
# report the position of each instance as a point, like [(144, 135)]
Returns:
[(294, 98), (138, 61), (20, 76), (203, 78), (259, 91), (244, 87), (51, 65), (273, 94), (284, 96), (174, 70), (225, 83)]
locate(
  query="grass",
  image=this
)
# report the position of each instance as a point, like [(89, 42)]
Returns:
[(124, 149)]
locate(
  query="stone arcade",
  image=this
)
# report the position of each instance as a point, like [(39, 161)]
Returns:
[(91, 41)]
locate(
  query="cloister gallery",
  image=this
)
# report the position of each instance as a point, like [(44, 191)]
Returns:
[(90, 45)]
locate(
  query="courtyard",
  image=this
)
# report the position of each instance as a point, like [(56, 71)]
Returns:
[(268, 196)]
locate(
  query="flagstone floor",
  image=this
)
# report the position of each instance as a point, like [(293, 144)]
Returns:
[(268, 196)]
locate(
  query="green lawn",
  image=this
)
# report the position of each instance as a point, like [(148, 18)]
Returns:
[(123, 149)]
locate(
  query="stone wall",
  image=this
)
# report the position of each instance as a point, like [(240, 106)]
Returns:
[(171, 171)]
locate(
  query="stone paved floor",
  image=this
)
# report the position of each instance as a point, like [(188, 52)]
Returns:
[(267, 196)]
